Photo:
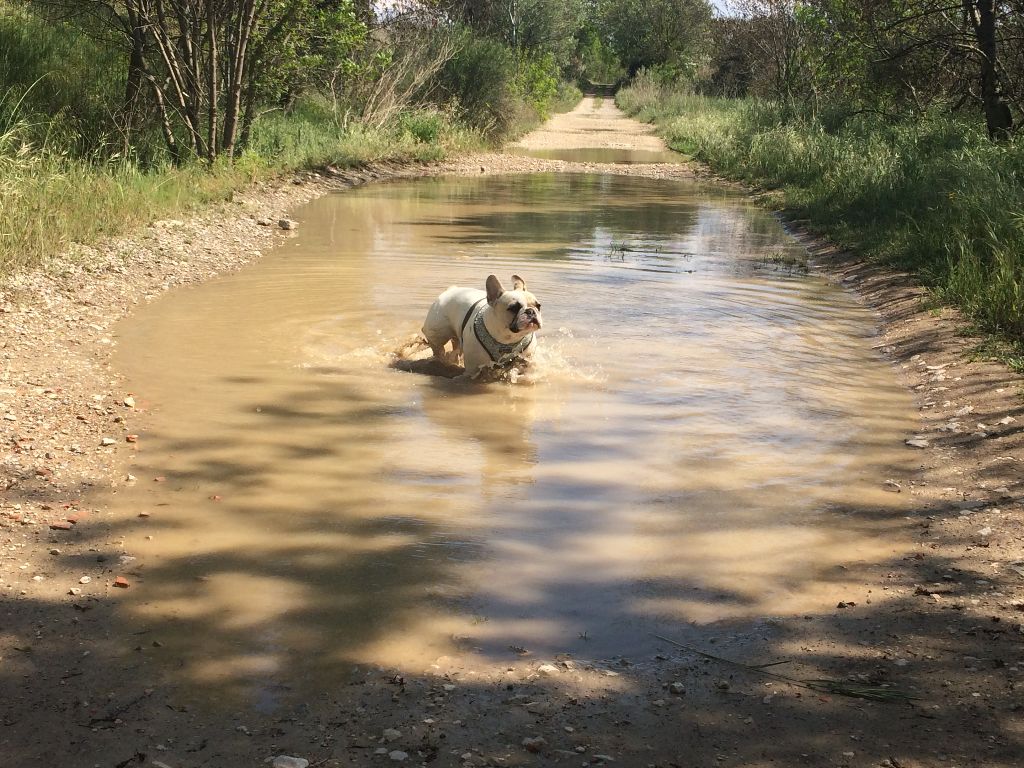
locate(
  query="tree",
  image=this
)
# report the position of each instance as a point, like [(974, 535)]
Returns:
[(891, 55), (536, 26), (771, 38), (208, 66), (645, 33)]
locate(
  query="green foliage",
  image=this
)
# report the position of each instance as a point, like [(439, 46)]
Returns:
[(598, 63), (321, 48), (644, 33), (423, 125), (479, 79), (536, 82), (932, 195), (499, 91), (61, 86), (538, 27)]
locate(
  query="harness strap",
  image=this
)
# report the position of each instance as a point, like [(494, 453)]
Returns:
[(469, 314)]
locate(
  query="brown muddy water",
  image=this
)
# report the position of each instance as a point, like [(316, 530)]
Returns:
[(702, 445)]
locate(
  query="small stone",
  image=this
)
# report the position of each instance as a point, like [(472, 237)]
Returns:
[(129, 402), (264, 222), (74, 591), (121, 582), (287, 761), (892, 486), (548, 669), (289, 224), (677, 688), (986, 531), (131, 438), (534, 743), (61, 525), (392, 734), (108, 441), (398, 755), (85, 580), (917, 442)]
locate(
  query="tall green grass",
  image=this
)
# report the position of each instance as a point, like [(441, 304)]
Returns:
[(933, 196), (49, 199)]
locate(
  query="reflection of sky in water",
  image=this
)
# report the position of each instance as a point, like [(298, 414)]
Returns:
[(704, 417)]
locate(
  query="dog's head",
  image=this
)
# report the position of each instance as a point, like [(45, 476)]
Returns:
[(517, 309)]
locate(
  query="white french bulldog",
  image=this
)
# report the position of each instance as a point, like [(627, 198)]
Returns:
[(491, 329)]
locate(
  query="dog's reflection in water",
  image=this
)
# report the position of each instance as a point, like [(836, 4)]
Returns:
[(491, 428)]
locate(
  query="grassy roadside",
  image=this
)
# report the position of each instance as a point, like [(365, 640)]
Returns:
[(71, 172), (934, 197), (49, 199)]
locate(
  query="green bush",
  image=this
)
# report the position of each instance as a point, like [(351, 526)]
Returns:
[(479, 79), (423, 125), (60, 85), (536, 82)]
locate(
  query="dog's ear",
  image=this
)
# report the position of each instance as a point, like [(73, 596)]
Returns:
[(494, 289), (518, 284)]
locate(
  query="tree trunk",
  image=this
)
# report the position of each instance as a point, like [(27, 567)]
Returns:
[(998, 118), (239, 69), (136, 61), (165, 120), (212, 80)]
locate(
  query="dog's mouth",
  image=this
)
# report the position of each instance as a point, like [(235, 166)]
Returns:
[(526, 324)]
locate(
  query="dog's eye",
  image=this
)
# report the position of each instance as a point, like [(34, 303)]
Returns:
[(514, 308), (537, 305)]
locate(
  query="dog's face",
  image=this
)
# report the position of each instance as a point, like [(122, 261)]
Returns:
[(517, 309)]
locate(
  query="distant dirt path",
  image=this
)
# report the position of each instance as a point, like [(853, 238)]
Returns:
[(595, 123)]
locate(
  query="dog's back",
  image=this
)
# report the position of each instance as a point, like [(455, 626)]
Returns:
[(446, 314)]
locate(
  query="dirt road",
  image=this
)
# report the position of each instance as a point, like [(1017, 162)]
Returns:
[(944, 621)]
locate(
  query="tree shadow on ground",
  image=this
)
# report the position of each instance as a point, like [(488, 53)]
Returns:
[(238, 651)]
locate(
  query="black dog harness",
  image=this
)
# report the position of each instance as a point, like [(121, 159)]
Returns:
[(497, 351)]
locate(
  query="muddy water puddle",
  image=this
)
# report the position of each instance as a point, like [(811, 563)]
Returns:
[(702, 445)]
